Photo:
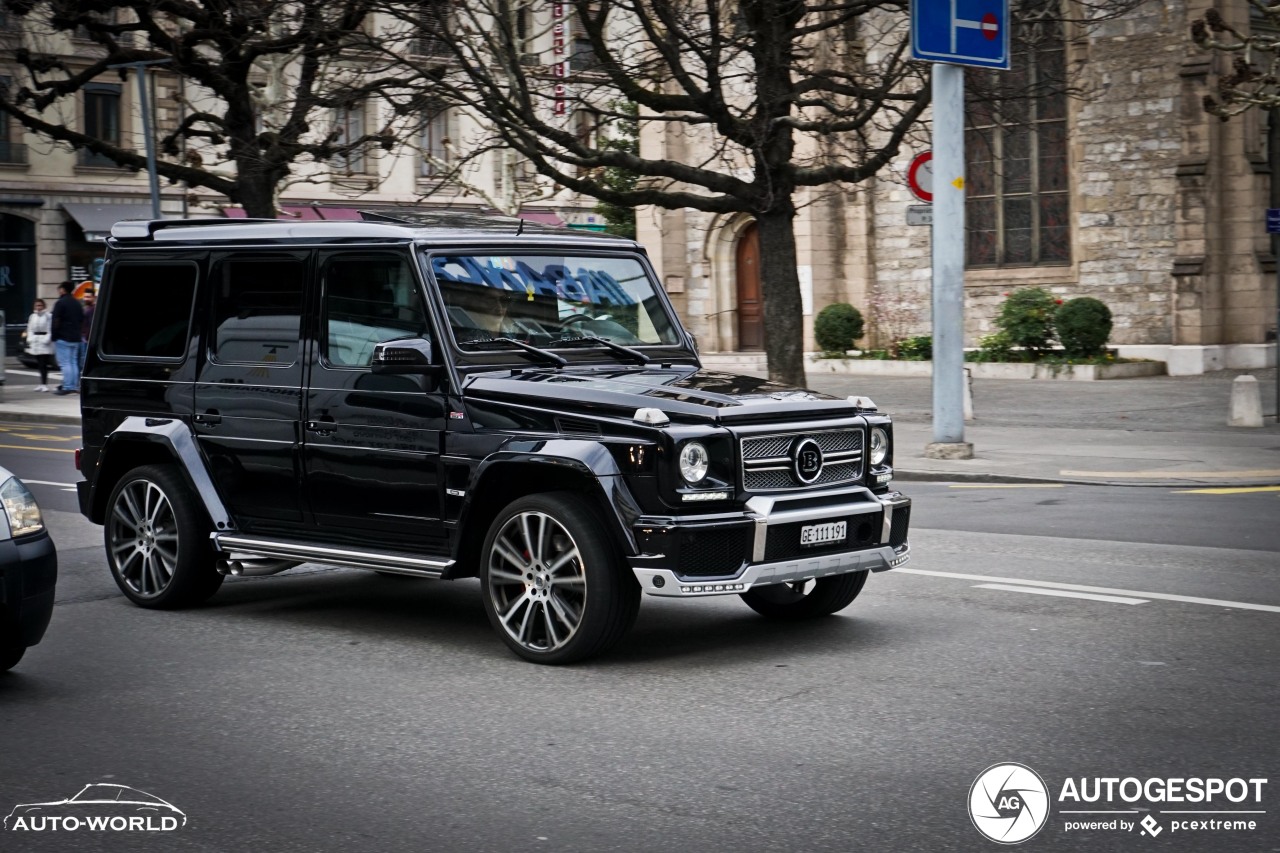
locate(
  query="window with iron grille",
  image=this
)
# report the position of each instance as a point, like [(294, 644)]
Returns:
[(433, 28), (1017, 205)]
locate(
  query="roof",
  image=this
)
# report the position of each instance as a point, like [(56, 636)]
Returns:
[(383, 226)]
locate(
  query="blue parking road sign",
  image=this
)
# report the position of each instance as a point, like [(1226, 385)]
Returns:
[(961, 32), (1273, 220)]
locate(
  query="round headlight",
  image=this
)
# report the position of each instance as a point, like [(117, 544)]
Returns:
[(694, 460), (879, 445)]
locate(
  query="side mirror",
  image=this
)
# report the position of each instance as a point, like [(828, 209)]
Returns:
[(405, 355)]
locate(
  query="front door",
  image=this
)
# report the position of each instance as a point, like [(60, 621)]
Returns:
[(372, 442), (750, 298), (248, 395)]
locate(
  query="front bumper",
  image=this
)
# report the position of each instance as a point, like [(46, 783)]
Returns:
[(28, 575), (729, 553)]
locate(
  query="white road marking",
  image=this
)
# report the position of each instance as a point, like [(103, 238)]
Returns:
[(1162, 596), (1113, 599)]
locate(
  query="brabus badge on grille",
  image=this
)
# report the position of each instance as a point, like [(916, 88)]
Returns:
[(806, 460)]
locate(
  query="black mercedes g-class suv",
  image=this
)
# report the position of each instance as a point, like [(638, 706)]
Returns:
[(459, 399)]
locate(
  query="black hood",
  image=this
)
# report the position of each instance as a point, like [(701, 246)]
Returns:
[(684, 393)]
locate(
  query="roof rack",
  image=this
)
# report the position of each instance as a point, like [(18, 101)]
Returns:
[(457, 219)]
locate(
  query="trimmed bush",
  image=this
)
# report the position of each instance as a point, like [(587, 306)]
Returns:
[(837, 326), (995, 347), (1027, 318), (919, 348), (1083, 325)]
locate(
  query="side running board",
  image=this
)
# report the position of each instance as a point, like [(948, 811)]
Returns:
[(306, 552)]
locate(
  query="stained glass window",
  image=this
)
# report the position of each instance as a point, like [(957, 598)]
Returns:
[(1017, 206)]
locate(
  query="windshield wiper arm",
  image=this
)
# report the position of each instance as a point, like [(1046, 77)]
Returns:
[(536, 352), (633, 354)]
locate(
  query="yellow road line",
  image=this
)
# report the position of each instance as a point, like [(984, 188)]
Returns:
[(1006, 486), (44, 449), (1174, 475), (1228, 491)]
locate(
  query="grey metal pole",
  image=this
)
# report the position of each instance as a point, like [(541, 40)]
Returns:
[(948, 265), (1273, 160), (141, 73), (140, 68)]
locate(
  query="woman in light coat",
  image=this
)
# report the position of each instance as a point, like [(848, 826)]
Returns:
[(39, 342)]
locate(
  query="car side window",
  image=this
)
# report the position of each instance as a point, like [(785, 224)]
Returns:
[(257, 310), (147, 310), (368, 299)]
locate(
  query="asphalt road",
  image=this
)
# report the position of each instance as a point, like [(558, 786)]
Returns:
[(328, 709)]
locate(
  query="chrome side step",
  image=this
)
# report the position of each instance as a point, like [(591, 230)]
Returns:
[(305, 552)]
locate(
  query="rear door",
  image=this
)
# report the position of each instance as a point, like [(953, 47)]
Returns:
[(248, 394), (372, 443)]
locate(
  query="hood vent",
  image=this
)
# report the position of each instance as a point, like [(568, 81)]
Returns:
[(573, 426)]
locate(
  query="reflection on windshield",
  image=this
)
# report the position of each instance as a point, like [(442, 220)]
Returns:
[(542, 299)]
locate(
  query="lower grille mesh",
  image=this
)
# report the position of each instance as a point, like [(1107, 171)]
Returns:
[(898, 526), (713, 553)]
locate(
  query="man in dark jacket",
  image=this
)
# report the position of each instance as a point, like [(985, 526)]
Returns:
[(68, 317)]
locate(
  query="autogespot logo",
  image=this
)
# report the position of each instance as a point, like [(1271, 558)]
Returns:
[(1009, 803)]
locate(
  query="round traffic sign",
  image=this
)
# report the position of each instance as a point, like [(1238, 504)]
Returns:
[(920, 176), (990, 27)]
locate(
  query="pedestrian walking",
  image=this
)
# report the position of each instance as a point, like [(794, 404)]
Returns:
[(68, 317), (40, 342), (87, 302)]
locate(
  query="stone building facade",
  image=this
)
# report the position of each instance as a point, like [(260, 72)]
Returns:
[(1165, 224)]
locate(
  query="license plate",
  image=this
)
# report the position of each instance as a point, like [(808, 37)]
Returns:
[(820, 534)]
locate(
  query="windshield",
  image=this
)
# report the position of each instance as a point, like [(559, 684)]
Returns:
[(542, 299)]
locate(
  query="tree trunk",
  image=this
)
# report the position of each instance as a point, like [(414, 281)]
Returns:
[(780, 285), (256, 192)]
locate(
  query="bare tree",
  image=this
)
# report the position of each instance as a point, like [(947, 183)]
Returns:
[(1254, 80), (267, 85), (749, 88)]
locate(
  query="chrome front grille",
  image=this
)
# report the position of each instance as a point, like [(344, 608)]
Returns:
[(767, 464)]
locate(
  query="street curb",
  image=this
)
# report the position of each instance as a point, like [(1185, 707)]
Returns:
[(34, 417), (979, 477)]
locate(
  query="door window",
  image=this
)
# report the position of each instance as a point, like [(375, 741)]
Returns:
[(257, 311), (368, 300)]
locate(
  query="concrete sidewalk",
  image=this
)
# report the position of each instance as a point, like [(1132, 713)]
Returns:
[(1159, 431)]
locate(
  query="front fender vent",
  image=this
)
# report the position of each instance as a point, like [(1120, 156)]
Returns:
[(574, 426)]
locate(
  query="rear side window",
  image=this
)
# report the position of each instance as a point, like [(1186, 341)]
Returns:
[(147, 310), (257, 311)]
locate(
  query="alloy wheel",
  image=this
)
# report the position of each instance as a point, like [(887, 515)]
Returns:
[(144, 538), (537, 581)]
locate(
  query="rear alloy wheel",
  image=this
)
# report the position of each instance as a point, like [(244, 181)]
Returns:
[(806, 599), (157, 540), (553, 588)]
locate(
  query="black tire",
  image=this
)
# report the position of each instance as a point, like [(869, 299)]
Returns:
[(806, 600), (157, 540), (565, 587), (10, 655)]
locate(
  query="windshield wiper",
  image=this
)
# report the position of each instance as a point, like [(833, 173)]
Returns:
[(633, 354), (537, 353)]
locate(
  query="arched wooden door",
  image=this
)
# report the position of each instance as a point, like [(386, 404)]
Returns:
[(750, 297)]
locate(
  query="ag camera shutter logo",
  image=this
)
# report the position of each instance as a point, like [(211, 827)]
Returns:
[(1009, 803)]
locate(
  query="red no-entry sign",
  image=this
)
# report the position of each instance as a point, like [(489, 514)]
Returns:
[(920, 176)]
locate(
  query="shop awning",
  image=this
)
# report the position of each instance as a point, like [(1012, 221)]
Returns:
[(307, 212), (96, 219)]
